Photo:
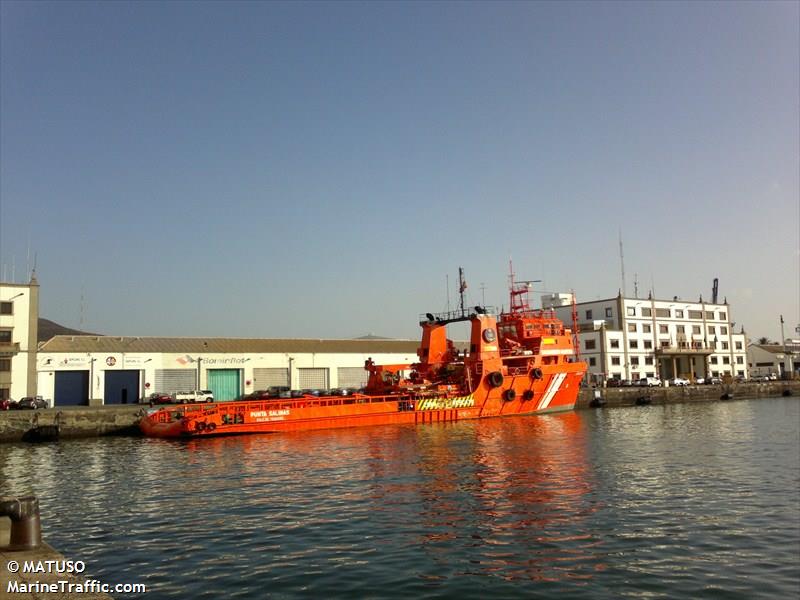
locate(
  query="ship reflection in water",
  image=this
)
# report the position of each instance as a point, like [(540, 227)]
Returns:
[(667, 501)]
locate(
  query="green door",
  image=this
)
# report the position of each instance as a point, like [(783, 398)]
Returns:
[(224, 383)]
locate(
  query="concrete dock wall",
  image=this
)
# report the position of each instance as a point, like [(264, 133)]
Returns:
[(22, 425)]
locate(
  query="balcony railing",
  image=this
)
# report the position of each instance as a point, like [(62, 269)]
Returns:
[(697, 348), (9, 348)]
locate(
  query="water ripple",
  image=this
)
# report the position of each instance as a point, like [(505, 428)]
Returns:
[(696, 500)]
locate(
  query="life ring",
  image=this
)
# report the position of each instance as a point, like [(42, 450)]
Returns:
[(211, 427), (536, 373), (527, 395), (510, 395), (495, 379)]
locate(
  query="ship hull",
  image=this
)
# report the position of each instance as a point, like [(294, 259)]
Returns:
[(554, 392)]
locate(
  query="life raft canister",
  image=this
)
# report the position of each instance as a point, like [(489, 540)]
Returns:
[(495, 379)]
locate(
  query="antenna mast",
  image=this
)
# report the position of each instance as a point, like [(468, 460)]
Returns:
[(622, 264)]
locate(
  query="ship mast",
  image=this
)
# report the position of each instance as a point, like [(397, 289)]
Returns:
[(462, 287), (518, 291)]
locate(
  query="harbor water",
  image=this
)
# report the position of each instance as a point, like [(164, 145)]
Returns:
[(694, 500)]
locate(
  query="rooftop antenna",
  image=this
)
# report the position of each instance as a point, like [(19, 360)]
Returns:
[(82, 308), (715, 291), (636, 285), (622, 263)]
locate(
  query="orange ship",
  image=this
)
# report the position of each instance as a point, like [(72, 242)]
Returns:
[(522, 362)]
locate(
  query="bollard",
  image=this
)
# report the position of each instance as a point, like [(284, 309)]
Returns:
[(26, 526)]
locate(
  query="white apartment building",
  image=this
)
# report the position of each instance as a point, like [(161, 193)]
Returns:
[(19, 328), (631, 338)]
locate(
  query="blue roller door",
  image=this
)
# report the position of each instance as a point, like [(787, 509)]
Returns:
[(122, 387), (71, 389)]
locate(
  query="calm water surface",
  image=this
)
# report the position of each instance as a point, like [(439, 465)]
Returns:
[(679, 501)]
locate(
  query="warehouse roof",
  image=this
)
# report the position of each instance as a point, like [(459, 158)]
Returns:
[(100, 343)]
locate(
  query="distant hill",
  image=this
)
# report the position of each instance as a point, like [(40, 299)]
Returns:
[(48, 329)]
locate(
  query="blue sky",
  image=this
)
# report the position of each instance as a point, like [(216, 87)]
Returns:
[(317, 170)]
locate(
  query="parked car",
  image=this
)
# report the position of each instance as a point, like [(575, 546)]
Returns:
[(712, 381), (614, 382), (32, 402), (678, 381), (160, 398), (9, 404), (650, 381)]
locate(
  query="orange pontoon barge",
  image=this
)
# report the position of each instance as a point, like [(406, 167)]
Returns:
[(523, 362)]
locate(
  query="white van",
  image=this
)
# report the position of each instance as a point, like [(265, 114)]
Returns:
[(194, 396)]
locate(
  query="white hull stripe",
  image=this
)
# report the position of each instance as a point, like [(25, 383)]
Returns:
[(552, 389)]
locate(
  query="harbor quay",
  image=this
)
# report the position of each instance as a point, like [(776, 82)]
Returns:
[(97, 421), (42, 573)]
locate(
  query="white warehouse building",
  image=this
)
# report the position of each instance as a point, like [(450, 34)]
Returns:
[(93, 370), (632, 338)]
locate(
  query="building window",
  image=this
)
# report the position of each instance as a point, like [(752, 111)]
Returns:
[(696, 329), (713, 360), (615, 360), (635, 375), (632, 327), (665, 343), (723, 330), (709, 315), (633, 344), (648, 344), (589, 344), (681, 329), (740, 373), (739, 360), (6, 308), (5, 364), (724, 345), (648, 360), (646, 328), (715, 373), (646, 312), (592, 361), (5, 393), (678, 313), (634, 361), (608, 311), (695, 314), (723, 316), (614, 343), (726, 360), (663, 329), (712, 329), (5, 336), (663, 313), (588, 314), (631, 310), (738, 345)]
